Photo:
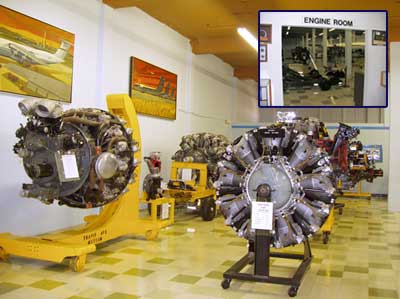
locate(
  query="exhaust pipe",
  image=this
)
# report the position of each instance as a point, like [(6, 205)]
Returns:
[(48, 109), (27, 106)]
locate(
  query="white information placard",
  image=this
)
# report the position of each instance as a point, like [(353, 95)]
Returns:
[(186, 174), (261, 215), (164, 185), (70, 166), (165, 211)]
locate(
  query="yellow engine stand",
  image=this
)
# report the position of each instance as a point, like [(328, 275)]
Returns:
[(200, 188), (200, 192), (357, 193), (155, 203), (116, 219), (326, 228)]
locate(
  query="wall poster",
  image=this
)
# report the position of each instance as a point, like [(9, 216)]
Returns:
[(36, 58), (153, 89)]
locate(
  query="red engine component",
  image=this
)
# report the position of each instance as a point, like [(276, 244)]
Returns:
[(155, 160), (340, 156), (350, 164)]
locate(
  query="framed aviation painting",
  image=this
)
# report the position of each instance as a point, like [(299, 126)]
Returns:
[(153, 89), (36, 59)]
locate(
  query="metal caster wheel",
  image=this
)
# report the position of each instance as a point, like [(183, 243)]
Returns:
[(77, 263), (208, 208), (3, 255), (151, 235), (293, 291), (325, 237), (226, 283)]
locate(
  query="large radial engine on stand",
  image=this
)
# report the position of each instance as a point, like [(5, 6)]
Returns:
[(81, 157), (286, 158), (202, 148)]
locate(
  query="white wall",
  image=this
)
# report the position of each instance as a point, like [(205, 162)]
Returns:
[(370, 134), (105, 39), (394, 90), (130, 32), (207, 90), (375, 62), (21, 215), (212, 95), (245, 106)]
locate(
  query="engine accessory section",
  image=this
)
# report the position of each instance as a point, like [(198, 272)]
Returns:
[(83, 158), (285, 157)]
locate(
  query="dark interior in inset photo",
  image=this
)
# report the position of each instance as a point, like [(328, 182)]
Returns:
[(323, 67)]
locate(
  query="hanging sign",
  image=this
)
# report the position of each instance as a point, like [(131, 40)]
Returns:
[(327, 21)]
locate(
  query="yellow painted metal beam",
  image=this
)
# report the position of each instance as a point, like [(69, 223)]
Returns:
[(117, 219)]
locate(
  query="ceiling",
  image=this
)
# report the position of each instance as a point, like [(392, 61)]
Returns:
[(211, 24)]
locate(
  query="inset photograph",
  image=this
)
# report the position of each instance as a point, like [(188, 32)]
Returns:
[(323, 58)]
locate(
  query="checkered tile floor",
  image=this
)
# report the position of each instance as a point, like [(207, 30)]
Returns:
[(314, 96), (361, 260)]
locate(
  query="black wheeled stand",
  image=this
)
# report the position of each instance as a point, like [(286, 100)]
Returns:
[(260, 258), (259, 254)]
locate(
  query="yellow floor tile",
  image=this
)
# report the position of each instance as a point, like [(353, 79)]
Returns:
[(46, 284), (188, 260)]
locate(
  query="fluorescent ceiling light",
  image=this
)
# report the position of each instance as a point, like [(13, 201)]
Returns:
[(321, 34), (248, 37), (288, 28), (330, 30)]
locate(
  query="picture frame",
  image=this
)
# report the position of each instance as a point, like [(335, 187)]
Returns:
[(375, 151), (36, 58), (266, 33), (383, 78), (265, 98), (378, 38), (263, 52), (152, 89)]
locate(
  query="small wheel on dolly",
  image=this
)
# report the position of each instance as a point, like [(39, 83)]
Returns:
[(292, 292), (77, 263), (325, 237), (226, 283), (151, 235), (3, 254), (207, 208)]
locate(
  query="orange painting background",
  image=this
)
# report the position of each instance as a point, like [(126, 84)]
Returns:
[(149, 75), (12, 19)]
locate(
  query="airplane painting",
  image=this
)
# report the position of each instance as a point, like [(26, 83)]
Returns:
[(36, 59), (153, 90), (28, 55)]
